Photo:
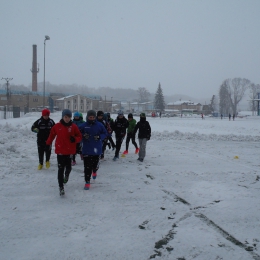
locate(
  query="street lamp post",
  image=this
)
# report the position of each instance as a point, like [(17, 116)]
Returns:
[(7, 95), (46, 39)]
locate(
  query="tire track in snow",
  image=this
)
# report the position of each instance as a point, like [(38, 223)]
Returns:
[(160, 244)]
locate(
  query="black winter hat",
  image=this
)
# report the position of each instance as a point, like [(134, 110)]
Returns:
[(130, 115), (100, 113), (91, 113)]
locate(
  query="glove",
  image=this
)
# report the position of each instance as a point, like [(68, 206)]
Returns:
[(36, 130), (86, 136), (72, 139), (47, 147), (96, 137)]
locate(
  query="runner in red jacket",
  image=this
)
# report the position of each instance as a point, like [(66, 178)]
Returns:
[(67, 136)]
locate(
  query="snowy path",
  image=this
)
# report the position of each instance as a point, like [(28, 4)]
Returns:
[(190, 199)]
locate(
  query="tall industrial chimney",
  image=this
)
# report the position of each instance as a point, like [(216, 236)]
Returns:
[(34, 69)]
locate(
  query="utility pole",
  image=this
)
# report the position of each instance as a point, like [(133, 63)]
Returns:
[(105, 104), (7, 94), (46, 38)]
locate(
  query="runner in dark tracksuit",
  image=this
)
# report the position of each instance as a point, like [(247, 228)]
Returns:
[(43, 127), (120, 126), (144, 135), (111, 124), (77, 120)]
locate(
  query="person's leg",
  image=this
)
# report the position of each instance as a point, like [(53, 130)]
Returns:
[(67, 163), (112, 142), (48, 154), (134, 142), (128, 137), (142, 151), (104, 144), (41, 149), (95, 166), (119, 141), (87, 167), (61, 168)]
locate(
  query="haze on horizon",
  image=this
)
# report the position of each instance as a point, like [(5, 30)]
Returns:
[(190, 47)]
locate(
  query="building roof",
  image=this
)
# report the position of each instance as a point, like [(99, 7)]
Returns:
[(95, 97), (65, 97), (180, 102)]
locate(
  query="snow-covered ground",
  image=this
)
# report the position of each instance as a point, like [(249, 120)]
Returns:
[(196, 196)]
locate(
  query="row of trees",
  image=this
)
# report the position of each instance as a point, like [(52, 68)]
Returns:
[(231, 93)]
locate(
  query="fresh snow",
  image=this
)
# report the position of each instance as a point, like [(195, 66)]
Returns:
[(195, 196)]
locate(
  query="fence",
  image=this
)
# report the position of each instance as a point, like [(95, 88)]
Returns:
[(12, 112)]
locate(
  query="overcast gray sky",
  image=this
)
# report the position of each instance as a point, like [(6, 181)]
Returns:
[(190, 46)]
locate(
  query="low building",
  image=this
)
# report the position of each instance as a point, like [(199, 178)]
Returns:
[(184, 106), (35, 101), (83, 103), (28, 100)]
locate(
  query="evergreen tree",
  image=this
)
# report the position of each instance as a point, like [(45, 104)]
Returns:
[(159, 103), (224, 101)]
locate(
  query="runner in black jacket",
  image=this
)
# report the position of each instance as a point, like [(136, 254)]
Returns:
[(43, 127), (144, 135), (120, 126)]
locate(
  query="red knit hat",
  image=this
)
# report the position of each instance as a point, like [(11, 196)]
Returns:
[(46, 112)]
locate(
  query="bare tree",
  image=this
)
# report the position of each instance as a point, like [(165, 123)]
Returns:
[(236, 90), (144, 94), (254, 90)]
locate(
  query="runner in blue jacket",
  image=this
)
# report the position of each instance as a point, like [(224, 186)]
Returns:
[(93, 134)]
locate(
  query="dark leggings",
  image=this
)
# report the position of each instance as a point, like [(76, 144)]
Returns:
[(64, 163), (78, 151), (91, 164), (119, 141), (41, 151), (128, 138), (110, 139)]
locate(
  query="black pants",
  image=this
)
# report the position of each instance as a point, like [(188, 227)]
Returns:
[(41, 150), (128, 138), (78, 151), (119, 141), (104, 144), (110, 139), (64, 164), (91, 164)]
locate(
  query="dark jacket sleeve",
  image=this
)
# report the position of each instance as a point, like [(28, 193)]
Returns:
[(148, 130), (35, 125), (136, 127)]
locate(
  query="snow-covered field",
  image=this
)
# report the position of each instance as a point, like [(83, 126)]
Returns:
[(196, 196)]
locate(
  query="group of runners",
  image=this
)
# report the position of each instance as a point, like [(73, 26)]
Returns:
[(89, 139)]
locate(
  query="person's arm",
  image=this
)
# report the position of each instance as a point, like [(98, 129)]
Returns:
[(52, 135), (103, 133), (35, 127), (136, 128), (148, 131)]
